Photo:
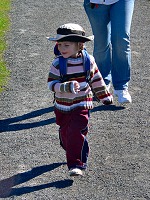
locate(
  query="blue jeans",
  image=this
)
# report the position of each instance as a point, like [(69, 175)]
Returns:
[(111, 28)]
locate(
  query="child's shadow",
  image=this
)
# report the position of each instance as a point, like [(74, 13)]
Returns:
[(6, 185), (11, 124)]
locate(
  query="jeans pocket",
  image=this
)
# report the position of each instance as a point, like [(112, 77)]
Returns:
[(87, 4)]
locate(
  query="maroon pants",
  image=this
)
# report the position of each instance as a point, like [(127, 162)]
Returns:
[(72, 133)]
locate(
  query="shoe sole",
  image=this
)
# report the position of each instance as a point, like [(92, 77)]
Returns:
[(125, 102), (76, 173)]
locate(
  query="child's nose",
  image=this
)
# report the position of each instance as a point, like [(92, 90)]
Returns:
[(63, 47)]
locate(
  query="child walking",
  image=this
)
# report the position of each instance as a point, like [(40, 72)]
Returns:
[(74, 93)]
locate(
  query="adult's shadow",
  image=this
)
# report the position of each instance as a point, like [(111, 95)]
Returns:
[(6, 185), (10, 123)]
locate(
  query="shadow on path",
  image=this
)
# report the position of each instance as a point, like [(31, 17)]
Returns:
[(108, 108), (9, 124), (6, 185)]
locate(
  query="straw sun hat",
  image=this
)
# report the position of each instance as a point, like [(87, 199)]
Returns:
[(71, 32)]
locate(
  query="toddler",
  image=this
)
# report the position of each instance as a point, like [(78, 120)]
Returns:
[(74, 93)]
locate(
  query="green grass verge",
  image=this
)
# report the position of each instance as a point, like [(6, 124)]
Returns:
[(4, 27)]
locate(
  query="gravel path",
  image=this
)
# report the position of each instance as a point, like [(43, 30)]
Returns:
[(32, 164)]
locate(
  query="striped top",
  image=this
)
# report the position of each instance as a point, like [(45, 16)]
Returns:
[(66, 99)]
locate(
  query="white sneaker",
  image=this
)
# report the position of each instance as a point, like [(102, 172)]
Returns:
[(75, 172), (123, 96)]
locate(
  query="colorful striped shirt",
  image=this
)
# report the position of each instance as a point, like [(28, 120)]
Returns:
[(66, 99)]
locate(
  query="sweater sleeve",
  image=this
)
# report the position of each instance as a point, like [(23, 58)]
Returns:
[(98, 85), (54, 81)]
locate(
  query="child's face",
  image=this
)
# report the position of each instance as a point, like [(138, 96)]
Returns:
[(68, 49)]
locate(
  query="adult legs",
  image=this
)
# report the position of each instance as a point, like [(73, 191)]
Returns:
[(111, 28), (121, 17)]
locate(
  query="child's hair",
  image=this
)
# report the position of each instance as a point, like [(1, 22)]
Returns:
[(56, 51), (81, 46)]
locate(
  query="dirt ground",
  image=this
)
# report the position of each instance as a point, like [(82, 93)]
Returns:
[(32, 164)]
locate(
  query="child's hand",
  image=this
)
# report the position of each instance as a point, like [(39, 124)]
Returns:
[(70, 87), (108, 100), (76, 86)]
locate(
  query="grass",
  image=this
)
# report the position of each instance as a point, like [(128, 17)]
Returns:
[(4, 27)]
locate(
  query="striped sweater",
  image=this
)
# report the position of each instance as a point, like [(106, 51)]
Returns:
[(66, 99)]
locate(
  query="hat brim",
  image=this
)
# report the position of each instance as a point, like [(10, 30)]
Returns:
[(72, 37)]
